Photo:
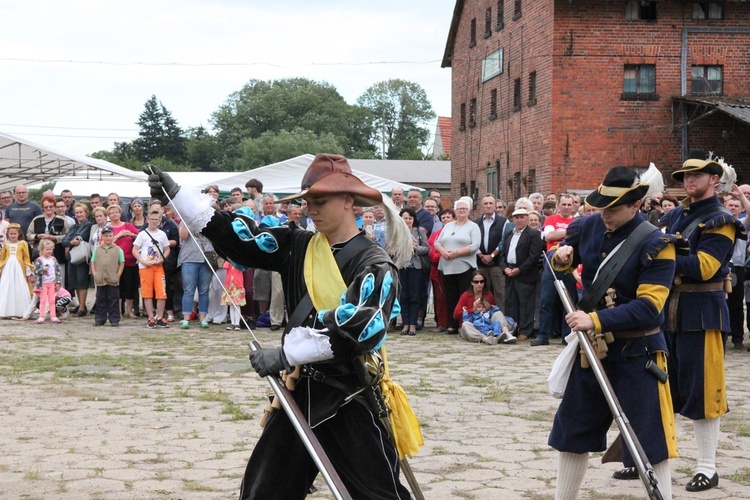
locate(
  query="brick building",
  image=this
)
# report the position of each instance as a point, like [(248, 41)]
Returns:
[(549, 94)]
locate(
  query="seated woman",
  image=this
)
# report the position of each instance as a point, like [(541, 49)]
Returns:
[(486, 324), (469, 297)]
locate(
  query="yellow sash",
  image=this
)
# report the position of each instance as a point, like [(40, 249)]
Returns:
[(326, 286), (322, 275)]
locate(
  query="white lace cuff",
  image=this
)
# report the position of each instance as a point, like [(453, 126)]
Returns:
[(193, 207), (304, 345)]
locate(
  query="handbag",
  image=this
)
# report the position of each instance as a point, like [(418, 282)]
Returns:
[(80, 253), (210, 255), (211, 260)]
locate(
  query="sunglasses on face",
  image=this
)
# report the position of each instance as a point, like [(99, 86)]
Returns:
[(477, 281)]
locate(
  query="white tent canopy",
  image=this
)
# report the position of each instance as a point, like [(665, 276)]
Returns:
[(25, 162), (280, 178), (285, 177)]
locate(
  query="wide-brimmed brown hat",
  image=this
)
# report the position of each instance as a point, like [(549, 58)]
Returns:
[(699, 161), (621, 186), (331, 174)]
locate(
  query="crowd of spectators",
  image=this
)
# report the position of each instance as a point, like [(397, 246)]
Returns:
[(462, 253)]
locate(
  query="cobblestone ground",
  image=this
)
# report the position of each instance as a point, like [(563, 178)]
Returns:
[(135, 413)]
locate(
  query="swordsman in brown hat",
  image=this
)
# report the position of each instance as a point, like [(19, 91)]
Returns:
[(344, 287)]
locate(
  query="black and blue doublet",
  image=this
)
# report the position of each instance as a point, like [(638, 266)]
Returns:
[(353, 437), (697, 311), (641, 289)]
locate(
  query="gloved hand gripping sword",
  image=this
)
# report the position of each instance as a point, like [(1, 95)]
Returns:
[(164, 189), (644, 467)]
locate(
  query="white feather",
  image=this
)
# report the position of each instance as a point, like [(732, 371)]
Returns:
[(653, 177), (398, 242)]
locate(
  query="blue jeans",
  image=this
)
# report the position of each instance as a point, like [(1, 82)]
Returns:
[(195, 275), (551, 311), (411, 287)]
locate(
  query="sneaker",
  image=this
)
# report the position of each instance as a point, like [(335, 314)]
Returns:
[(489, 339), (114, 324), (98, 324), (184, 324), (40, 320), (55, 320), (193, 316), (237, 328), (162, 323), (509, 339), (65, 314), (204, 323), (151, 323), (170, 318)]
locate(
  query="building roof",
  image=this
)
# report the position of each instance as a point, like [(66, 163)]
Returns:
[(448, 54), (444, 129), (420, 172), (736, 107)]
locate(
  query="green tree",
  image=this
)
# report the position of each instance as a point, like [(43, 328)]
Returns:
[(159, 134), (400, 112), (202, 149), (283, 105), (272, 147)]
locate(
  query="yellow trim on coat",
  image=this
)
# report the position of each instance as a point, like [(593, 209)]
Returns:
[(666, 409), (656, 294), (597, 323), (714, 386)]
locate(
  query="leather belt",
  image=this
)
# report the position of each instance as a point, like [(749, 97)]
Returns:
[(698, 287), (634, 334)]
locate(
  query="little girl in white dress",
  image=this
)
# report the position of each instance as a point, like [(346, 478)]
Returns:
[(15, 268)]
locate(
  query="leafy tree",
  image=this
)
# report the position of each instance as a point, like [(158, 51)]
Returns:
[(284, 105), (399, 110), (202, 149), (272, 147)]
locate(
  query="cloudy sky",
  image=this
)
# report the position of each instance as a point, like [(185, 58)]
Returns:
[(75, 75)]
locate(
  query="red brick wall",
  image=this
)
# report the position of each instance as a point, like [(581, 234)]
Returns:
[(580, 127)]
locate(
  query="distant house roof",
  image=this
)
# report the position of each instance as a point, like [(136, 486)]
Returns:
[(442, 137), (417, 172)]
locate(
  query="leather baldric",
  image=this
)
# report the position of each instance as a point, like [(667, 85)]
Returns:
[(609, 269)]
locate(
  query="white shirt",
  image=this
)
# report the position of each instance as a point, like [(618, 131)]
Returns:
[(513, 243)]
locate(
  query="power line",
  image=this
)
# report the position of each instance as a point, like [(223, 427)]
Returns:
[(70, 128), (73, 136), (211, 64)]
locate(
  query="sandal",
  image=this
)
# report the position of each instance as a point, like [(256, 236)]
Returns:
[(701, 482), (626, 473), (404, 332)]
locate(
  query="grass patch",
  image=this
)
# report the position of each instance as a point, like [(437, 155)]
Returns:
[(31, 474), (191, 485), (499, 395), (235, 412), (219, 396), (742, 476)]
